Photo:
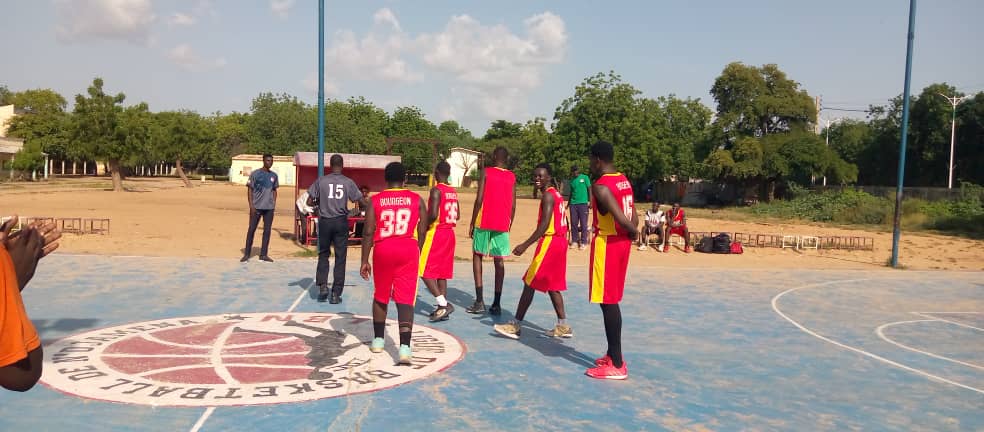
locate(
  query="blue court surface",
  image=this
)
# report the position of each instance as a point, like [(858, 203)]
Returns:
[(175, 344)]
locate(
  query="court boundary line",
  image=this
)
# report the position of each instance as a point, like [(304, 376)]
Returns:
[(936, 318), (775, 307), (880, 331)]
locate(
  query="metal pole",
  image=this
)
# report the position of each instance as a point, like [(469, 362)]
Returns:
[(828, 146), (321, 87), (953, 136), (905, 131)]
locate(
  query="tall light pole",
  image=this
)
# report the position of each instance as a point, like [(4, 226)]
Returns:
[(321, 88), (955, 100), (827, 124), (897, 219)]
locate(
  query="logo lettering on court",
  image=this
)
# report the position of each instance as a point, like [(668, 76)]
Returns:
[(240, 359)]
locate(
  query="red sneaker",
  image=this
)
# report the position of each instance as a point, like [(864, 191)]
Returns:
[(608, 371), (666, 248), (606, 360), (688, 249)]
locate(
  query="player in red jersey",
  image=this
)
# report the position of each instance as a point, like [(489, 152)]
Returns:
[(393, 232), (437, 252), (492, 217), (548, 271), (615, 222)]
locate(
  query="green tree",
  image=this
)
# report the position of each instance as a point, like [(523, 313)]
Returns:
[(281, 125), (605, 108), (43, 125), (758, 101), (229, 139), (182, 136), (105, 130), (968, 164), (409, 122), (928, 149), (5, 95), (849, 138)]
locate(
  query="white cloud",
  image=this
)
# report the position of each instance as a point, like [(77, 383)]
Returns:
[(185, 56), (180, 19), (372, 57), (491, 68), (310, 83), (281, 7), (386, 16), (497, 67), (127, 20)]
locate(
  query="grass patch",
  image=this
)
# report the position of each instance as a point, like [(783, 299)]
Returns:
[(305, 253), (964, 217)]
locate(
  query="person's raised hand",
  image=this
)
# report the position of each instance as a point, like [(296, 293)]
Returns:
[(25, 247), (50, 234)]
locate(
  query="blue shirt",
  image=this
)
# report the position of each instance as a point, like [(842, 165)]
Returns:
[(262, 183)]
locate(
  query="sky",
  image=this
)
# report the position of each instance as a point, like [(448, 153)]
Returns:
[(478, 61)]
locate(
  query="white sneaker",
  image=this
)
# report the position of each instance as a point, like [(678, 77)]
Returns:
[(642, 247), (580, 247)]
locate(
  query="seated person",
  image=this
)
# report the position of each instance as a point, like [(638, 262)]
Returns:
[(306, 211), (676, 224), (655, 220), (359, 211)]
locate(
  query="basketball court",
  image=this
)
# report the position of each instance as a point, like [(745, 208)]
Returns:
[(183, 344)]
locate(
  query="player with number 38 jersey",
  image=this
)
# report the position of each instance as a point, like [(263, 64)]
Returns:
[(395, 253)]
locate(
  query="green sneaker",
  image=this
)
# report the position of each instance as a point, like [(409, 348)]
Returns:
[(510, 329), (405, 355), (377, 345)]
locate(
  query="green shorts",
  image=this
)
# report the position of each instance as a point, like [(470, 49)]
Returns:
[(491, 243)]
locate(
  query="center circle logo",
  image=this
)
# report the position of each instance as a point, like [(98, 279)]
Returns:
[(240, 359)]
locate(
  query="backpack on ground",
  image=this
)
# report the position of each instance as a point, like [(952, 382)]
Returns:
[(721, 244), (736, 248), (705, 245)]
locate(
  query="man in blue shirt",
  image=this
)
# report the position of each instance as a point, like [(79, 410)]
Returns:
[(262, 195)]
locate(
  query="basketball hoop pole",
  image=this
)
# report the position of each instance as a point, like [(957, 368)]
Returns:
[(896, 231), (321, 88)]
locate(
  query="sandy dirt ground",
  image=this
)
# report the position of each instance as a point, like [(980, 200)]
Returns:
[(160, 217)]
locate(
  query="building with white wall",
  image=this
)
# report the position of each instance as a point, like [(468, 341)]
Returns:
[(462, 161), (244, 164)]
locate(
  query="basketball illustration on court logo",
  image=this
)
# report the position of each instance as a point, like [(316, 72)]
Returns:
[(239, 359)]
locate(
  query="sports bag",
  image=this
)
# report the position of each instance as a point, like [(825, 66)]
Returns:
[(721, 244), (736, 248), (706, 245)]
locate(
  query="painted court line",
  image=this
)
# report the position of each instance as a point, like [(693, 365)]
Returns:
[(880, 331), (936, 318), (775, 307), (208, 411)]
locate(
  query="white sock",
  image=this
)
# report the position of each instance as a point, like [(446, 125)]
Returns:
[(561, 321), (441, 301)]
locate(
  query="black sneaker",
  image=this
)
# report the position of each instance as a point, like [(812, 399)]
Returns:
[(323, 293), (335, 299), (244, 258), (265, 258), (495, 310), (476, 308)]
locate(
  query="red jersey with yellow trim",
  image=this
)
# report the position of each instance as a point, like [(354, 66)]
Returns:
[(558, 221), (604, 224), (548, 269), (397, 214), (496, 211), (447, 215)]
